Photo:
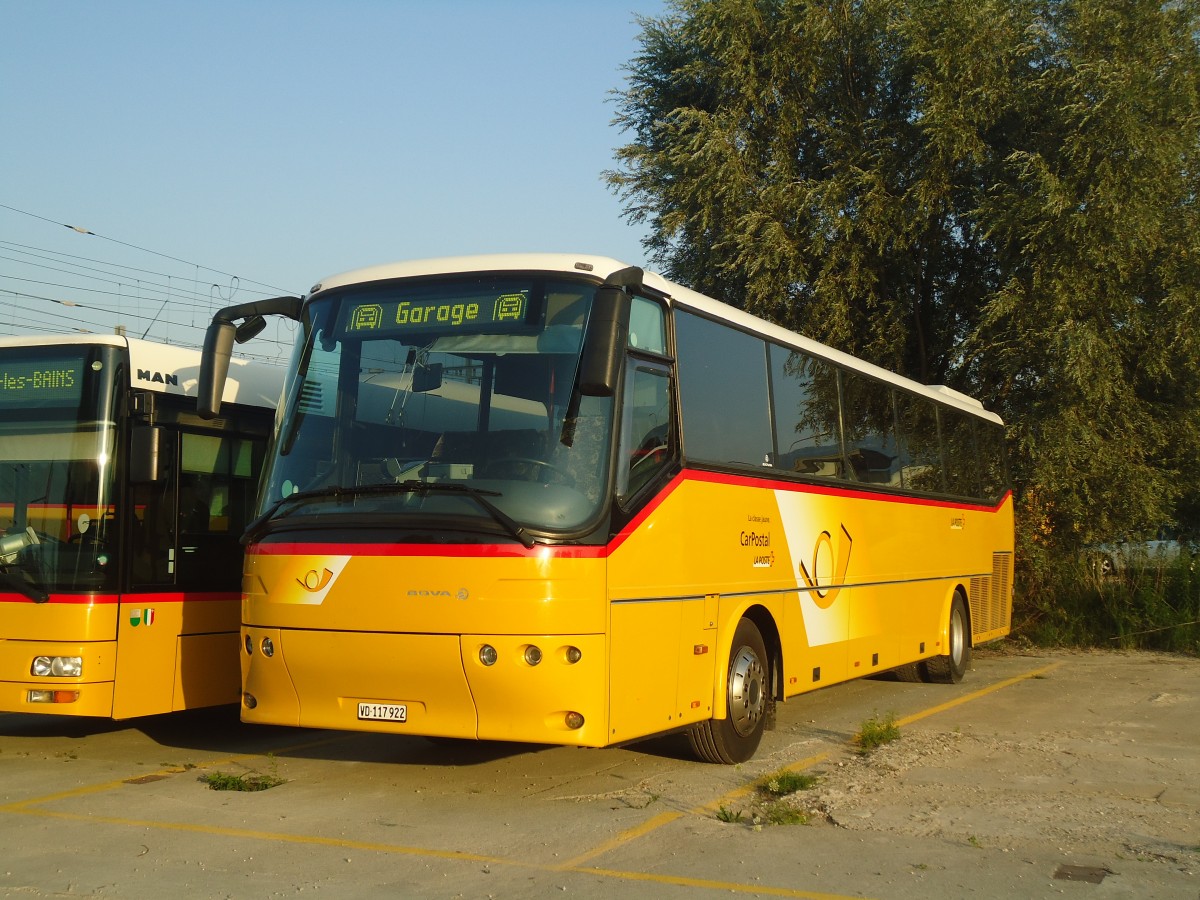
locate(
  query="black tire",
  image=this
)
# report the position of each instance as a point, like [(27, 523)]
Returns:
[(951, 668), (734, 738), (910, 672)]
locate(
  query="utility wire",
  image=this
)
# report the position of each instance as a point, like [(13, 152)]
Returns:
[(102, 237), (83, 271)]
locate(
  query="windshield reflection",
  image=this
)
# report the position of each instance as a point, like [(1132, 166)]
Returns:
[(55, 486), (457, 394)]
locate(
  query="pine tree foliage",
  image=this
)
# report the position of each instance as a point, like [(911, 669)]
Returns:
[(999, 195)]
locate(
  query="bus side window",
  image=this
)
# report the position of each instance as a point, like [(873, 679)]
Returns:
[(646, 426), (723, 393), (152, 544), (216, 491), (870, 430), (805, 405)]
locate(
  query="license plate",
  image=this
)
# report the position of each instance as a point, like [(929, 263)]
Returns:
[(385, 712)]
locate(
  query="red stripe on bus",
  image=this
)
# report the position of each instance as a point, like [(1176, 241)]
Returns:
[(105, 599), (564, 551)]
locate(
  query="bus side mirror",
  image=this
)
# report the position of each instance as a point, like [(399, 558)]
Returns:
[(607, 334), (144, 464), (249, 329), (214, 368)]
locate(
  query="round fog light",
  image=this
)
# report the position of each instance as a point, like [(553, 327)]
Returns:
[(249, 701), (574, 655), (249, 645), (268, 647), (574, 721), (533, 655), (488, 655)]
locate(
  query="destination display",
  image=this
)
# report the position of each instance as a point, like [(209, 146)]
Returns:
[(55, 384), (492, 313)]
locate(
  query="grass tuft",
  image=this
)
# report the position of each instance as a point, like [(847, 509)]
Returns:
[(875, 732)]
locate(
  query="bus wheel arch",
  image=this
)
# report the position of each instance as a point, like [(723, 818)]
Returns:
[(950, 667), (750, 703)]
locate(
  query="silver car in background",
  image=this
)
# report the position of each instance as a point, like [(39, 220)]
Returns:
[(1128, 556)]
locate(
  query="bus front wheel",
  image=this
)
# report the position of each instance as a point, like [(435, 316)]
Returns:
[(734, 738), (951, 668)]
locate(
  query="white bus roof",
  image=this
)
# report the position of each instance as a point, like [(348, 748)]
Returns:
[(172, 370), (602, 266)]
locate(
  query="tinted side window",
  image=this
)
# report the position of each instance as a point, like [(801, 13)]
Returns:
[(645, 426), (647, 327), (962, 469), (723, 392), (992, 468), (870, 426), (920, 447), (805, 402), (216, 495)]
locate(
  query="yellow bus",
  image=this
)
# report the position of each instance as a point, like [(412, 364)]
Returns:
[(120, 514), (558, 499)]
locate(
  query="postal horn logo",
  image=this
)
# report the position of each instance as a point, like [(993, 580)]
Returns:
[(314, 582), (138, 616), (314, 578)]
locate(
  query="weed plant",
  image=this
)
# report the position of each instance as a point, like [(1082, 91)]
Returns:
[(875, 732), (245, 782), (785, 782)]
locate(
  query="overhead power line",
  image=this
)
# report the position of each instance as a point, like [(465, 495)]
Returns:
[(89, 232)]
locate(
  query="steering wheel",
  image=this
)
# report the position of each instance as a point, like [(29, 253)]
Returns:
[(525, 466)]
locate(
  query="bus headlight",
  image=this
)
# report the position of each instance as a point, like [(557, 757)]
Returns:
[(57, 666), (574, 655), (488, 655), (268, 647), (533, 655)]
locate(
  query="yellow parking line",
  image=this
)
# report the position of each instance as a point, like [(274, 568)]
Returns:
[(24, 807), (745, 790), (86, 790), (453, 855), (281, 837), (975, 695), (730, 886), (623, 838)]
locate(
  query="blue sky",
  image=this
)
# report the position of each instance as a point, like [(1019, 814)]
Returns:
[(282, 142)]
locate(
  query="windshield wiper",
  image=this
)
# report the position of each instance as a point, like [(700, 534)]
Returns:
[(480, 496), (21, 586), (336, 492), (507, 522)]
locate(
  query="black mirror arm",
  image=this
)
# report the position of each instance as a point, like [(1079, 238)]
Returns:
[(219, 340)]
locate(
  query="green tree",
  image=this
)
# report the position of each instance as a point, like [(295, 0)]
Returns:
[(999, 195)]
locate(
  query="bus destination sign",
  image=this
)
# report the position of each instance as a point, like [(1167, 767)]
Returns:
[(500, 313), (57, 384)]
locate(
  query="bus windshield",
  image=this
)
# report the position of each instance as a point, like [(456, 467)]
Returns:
[(57, 462), (444, 405)]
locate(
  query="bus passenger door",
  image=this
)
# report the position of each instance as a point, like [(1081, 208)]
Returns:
[(654, 630), (149, 613)]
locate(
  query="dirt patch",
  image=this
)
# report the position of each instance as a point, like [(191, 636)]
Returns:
[(1114, 781)]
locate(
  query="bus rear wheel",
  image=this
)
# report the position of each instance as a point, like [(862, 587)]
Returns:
[(951, 668), (734, 738)]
